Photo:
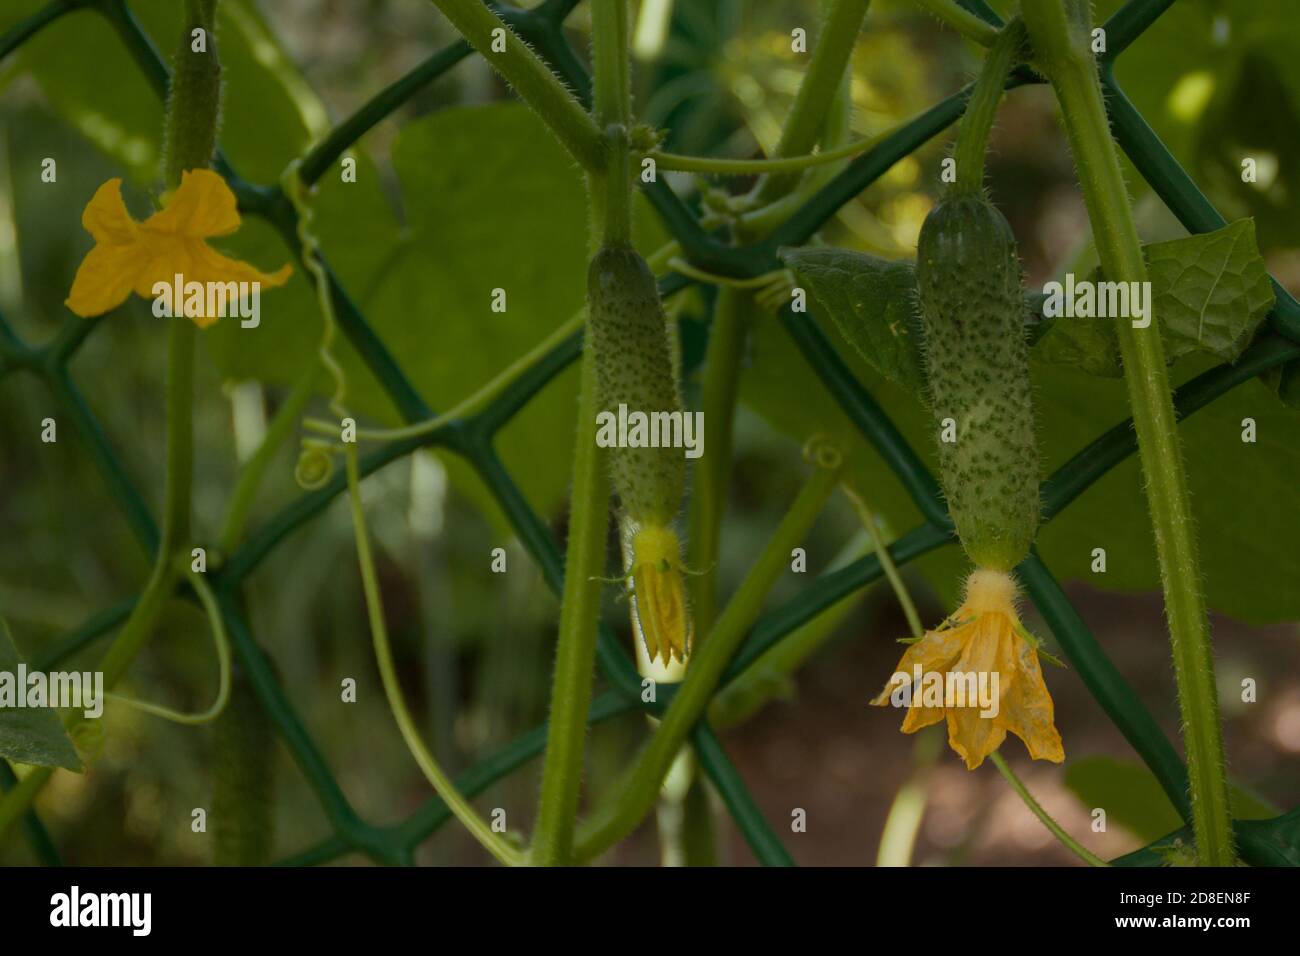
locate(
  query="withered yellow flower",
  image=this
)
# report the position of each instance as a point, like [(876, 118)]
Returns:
[(981, 673), (660, 616), (132, 256)]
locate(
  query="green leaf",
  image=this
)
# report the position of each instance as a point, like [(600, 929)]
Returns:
[(479, 186), (1089, 345), (1133, 798), (30, 735), (90, 79), (1209, 292), (873, 304)]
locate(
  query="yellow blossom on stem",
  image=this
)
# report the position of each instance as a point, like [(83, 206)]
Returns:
[(132, 256), (660, 616), (981, 673)]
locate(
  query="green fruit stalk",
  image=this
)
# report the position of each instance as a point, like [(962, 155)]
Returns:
[(977, 365)]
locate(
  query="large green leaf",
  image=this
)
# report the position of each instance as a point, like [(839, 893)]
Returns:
[(873, 303), (491, 201), (1133, 798), (30, 735), (91, 80), (1209, 293)]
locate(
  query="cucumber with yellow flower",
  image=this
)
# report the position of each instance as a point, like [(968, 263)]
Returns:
[(628, 336), (970, 294)]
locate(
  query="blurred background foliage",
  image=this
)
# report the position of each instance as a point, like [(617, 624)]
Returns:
[(461, 191)]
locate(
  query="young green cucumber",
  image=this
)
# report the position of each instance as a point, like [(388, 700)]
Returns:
[(633, 357), (977, 364), (628, 337)]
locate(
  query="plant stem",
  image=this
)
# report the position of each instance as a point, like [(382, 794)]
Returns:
[(441, 783), (816, 94), (180, 437), (1067, 841), (1060, 41), (770, 674), (575, 656), (712, 473), (752, 167), (612, 111), (641, 787), (903, 822), (162, 580), (973, 135), (531, 78), (176, 503), (961, 20), (868, 519), (576, 650), (222, 645)]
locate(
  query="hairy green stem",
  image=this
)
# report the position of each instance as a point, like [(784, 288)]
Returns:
[(531, 78), (712, 473), (1060, 40), (640, 788), (194, 97), (961, 20), (816, 94), (973, 135), (575, 656)]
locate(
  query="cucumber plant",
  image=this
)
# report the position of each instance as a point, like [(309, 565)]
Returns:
[(965, 353)]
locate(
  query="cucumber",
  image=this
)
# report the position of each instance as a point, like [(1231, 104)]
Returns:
[(628, 337), (977, 368)]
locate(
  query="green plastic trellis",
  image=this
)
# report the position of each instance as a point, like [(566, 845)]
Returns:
[(1262, 842)]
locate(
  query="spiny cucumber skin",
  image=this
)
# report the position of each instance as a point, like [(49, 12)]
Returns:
[(977, 364), (628, 337)]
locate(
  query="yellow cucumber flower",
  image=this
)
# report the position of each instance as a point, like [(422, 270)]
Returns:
[(660, 616), (981, 672), (132, 256)]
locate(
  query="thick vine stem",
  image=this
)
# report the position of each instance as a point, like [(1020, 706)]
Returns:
[(531, 78), (1059, 31), (610, 194)]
